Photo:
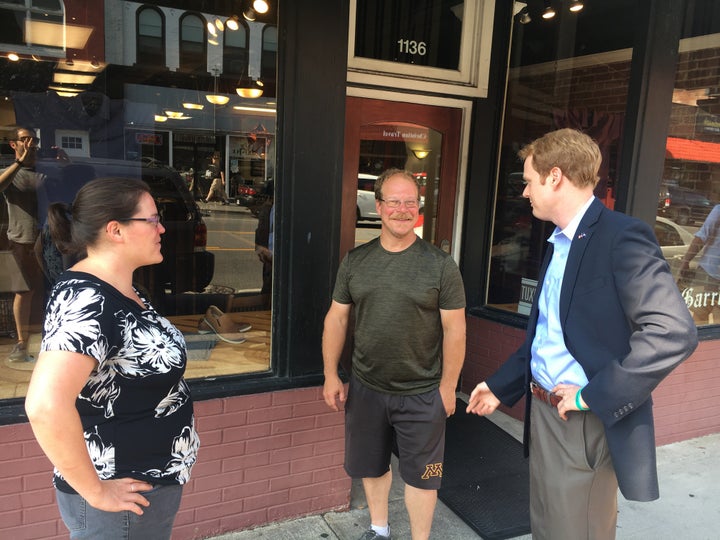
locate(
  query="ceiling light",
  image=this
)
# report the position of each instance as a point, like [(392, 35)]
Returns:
[(59, 89), (81, 66), (219, 24), (13, 57), (549, 12), (421, 154), (72, 78), (249, 14), (576, 5), (524, 16), (193, 106), (217, 99), (174, 114), (232, 23), (261, 6), (211, 29), (160, 118), (48, 33), (213, 42), (254, 109), (250, 89), (63, 93)]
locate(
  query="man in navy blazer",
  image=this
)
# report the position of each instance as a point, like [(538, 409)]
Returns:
[(606, 326)]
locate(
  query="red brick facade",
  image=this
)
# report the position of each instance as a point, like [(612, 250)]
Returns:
[(263, 458)]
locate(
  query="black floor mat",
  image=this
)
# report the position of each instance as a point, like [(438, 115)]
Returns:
[(485, 477)]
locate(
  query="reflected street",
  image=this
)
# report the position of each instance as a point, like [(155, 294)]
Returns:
[(231, 237)]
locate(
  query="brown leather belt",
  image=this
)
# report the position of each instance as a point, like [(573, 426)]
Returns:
[(543, 395)]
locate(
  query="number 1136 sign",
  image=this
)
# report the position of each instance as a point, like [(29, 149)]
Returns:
[(410, 46)]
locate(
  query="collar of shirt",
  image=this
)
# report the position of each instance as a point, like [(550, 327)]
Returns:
[(572, 227)]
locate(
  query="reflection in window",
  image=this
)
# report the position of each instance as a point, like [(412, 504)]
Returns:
[(192, 44), (553, 82), (116, 118), (32, 23), (150, 37), (690, 186), (412, 147), (269, 53), (235, 53)]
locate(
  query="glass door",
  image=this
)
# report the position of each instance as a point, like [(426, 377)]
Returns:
[(422, 139)]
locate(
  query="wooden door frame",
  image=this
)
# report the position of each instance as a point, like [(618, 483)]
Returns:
[(446, 201)]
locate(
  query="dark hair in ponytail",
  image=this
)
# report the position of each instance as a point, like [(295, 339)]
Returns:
[(75, 227)]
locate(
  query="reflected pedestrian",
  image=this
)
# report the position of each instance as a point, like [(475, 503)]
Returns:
[(19, 184)]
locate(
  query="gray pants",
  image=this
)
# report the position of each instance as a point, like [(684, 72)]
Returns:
[(85, 522), (573, 487)]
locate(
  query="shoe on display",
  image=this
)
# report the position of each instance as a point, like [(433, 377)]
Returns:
[(223, 325), (370, 534)]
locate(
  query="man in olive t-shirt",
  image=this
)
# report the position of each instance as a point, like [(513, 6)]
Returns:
[(409, 347)]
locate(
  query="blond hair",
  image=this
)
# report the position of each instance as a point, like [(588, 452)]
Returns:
[(573, 152)]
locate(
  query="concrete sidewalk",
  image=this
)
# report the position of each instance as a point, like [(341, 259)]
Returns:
[(688, 508)]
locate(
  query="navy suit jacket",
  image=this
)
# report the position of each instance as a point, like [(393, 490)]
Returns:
[(625, 322)]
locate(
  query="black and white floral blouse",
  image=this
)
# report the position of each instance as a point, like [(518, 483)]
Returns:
[(136, 409)]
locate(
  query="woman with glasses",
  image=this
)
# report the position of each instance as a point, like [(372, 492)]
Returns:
[(107, 400)]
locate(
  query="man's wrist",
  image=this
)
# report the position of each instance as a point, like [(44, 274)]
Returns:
[(19, 161), (580, 402)]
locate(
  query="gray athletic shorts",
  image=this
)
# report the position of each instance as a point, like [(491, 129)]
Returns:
[(416, 423)]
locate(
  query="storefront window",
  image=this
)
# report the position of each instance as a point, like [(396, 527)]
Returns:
[(185, 125), (564, 71), (688, 219)]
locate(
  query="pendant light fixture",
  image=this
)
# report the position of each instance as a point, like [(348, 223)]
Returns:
[(248, 88), (216, 98), (549, 12)]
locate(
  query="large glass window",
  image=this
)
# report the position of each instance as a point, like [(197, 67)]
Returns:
[(564, 71), (207, 153), (688, 218)]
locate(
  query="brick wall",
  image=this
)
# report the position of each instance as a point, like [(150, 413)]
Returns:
[(263, 458), (687, 403)]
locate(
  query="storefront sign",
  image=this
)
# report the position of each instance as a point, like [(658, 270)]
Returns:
[(527, 294), (155, 139), (700, 299), (394, 132)]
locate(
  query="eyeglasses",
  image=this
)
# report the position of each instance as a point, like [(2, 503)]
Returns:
[(153, 220), (28, 138), (394, 203)]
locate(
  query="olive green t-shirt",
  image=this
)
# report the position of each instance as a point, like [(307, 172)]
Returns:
[(397, 299)]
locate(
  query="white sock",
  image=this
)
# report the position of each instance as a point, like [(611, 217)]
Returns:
[(382, 531)]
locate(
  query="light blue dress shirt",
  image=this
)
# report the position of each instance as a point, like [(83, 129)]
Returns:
[(551, 363)]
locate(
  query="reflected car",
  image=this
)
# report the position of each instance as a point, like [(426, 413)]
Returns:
[(682, 205), (366, 210), (187, 265), (674, 242)]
